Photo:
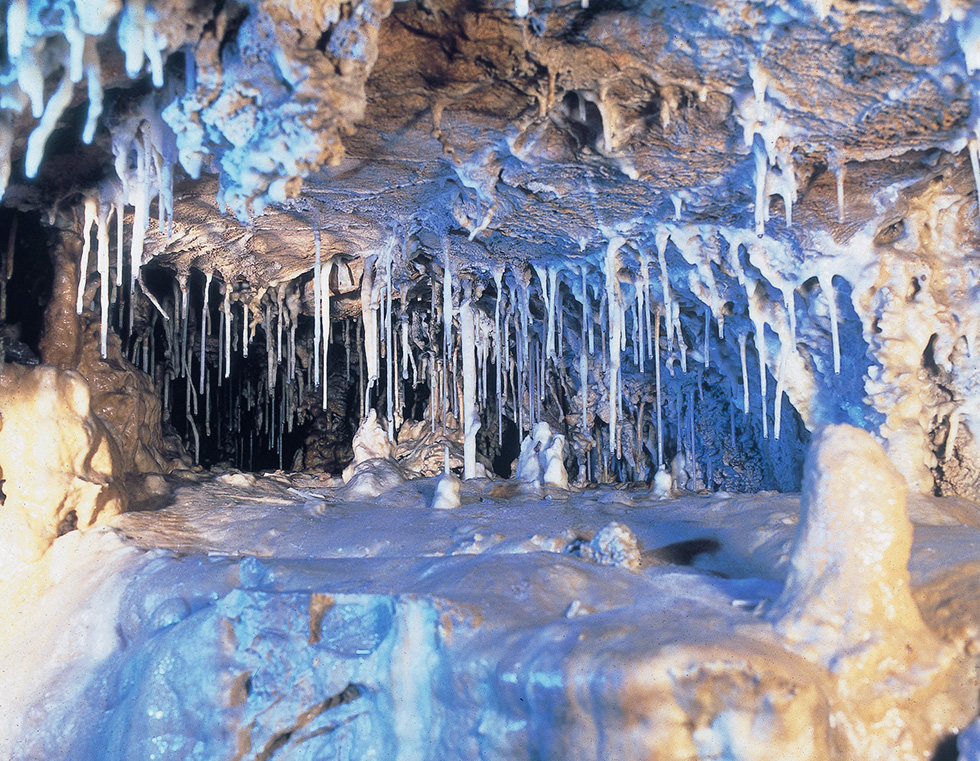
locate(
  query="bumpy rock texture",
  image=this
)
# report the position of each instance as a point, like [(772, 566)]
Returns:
[(783, 191)]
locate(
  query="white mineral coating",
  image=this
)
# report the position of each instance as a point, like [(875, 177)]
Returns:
[(447, 492), (663, 483), (847, 604), (57, 460), (614, 544), (542, 458)]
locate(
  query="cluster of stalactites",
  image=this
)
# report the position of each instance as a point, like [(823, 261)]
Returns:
[(61, 42), (572, 344)]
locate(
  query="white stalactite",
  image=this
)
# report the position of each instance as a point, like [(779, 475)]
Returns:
[(205, 327), (615, 310), (471, 416), (102, 256), (90, 212)]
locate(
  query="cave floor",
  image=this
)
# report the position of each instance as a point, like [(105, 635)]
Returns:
[(286, 615)]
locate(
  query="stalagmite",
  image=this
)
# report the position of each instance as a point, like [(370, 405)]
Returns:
[(91, 209)]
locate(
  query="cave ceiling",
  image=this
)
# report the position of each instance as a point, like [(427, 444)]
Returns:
[(508, 138)]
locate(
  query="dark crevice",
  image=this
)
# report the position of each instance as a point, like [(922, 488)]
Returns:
[(348, 695)]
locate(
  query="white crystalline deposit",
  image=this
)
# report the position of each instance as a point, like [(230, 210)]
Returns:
[(57, 461), (847, 604), (447, 492), (542, 458), (371, 442), (614, 544)]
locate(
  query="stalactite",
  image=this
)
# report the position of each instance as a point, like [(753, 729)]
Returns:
[(325, 329), (205, 326), (615, 317), (369, 323), (90, 211), (227, 325), (583, 360), (471, 417), (447, 328), (102, 257)]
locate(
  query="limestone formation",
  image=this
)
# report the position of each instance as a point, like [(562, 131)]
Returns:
[(59, 465)]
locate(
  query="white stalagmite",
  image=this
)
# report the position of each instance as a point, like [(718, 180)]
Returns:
[(90, 212), (471, 415)]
